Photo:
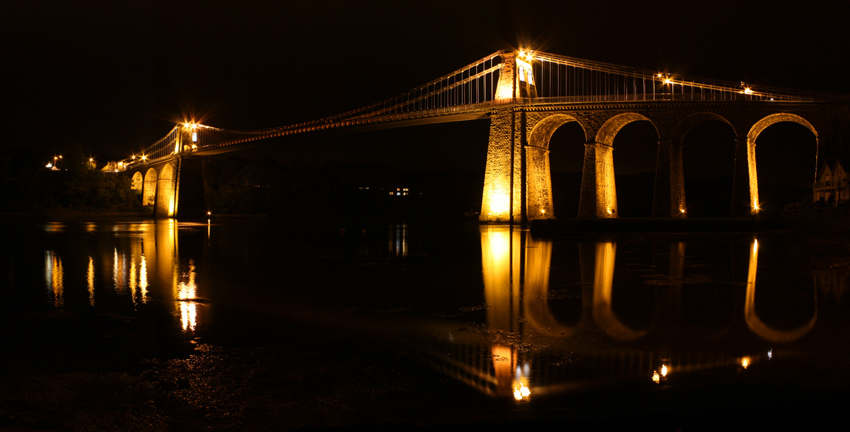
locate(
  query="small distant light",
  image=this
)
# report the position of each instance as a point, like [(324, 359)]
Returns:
[(655, 377), (745, 362), (659, 75), (664, 370), (748, 90), (668, 81), (209, 213), (770, 354), (91, 159), (49, 165)]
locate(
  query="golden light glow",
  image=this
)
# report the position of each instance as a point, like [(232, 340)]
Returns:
[(90, 280), (664, 370), (682, 210), (745, 362), (186, 294), (655, 377), (55, 274), (748, 90), (668, 81), (521, 392), (144, 157)]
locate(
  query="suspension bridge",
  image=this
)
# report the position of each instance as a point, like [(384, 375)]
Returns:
[(527, 96)]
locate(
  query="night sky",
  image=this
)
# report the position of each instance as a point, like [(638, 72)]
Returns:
[(114, 76)]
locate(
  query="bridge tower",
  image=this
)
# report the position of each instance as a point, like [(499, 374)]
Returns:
[(511, 162)]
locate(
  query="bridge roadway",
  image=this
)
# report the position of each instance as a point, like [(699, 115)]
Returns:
[(511, 91)]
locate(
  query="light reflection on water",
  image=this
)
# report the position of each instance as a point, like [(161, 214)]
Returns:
[(532, 344), (131, 273), (516, 269)]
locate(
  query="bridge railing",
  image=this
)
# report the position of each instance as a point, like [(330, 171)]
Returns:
[(586, 80), (472, 89)]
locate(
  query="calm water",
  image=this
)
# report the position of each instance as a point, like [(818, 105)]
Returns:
[(515, 328)]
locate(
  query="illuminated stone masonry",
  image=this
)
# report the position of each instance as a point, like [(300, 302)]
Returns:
[(518, 187)]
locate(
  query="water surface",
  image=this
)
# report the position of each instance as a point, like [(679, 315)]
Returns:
[(377, 323)]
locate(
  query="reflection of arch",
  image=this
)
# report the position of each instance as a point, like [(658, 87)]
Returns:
[(149, 191), (754, 322), (165, 199), (536, 312), (538, 174), (603, 282), (137, 182), (753, 134)]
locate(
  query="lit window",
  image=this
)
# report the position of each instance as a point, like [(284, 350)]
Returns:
[(521, 73), (530, 77)]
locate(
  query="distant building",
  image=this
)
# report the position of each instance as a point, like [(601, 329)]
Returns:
[(831, 186)]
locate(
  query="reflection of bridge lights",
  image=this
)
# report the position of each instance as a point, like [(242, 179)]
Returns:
[(521, 392)]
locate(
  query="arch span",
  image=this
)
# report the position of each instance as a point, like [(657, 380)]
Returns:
[(137, 182), (149, 190), (598, 185), (678, 189), (166, 201), (539, 173), (686, 124), (753, 135)]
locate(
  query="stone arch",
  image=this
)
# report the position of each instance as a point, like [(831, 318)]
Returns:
[(166, 202), (686, 124), (677, 175), (599, 190), (753, 134), (613, 125), (149, 188), (137, 181), (538, 171)]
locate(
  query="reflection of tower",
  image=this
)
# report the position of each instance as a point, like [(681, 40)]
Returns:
[(516, 279), (185, 296), (90, 280), (54, 275)]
